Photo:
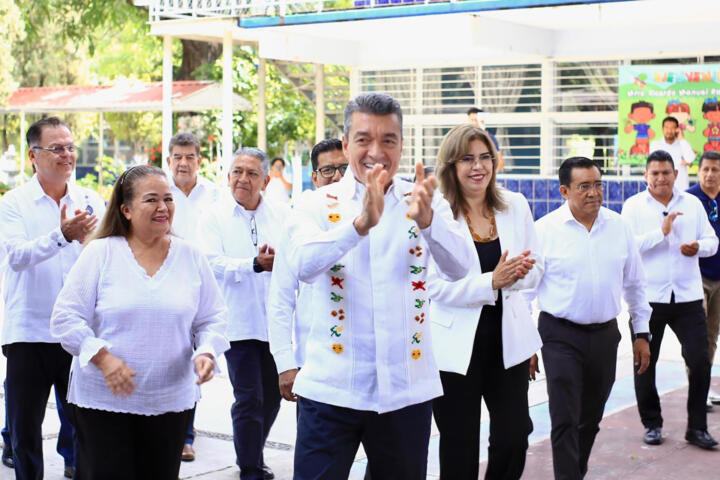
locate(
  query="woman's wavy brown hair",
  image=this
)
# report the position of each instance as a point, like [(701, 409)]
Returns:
[(454, 146)]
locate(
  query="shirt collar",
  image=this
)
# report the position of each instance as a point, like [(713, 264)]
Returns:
[(37, 191), (676, 197), (350, 188), (566, 215), (242, 211), (200, 184)]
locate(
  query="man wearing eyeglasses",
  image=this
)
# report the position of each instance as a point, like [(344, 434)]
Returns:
[(43, 225), (707, 190), (591, 262), (285, 310), (239, 235), (672, 232)]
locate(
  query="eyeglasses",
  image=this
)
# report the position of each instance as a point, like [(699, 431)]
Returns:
[(470, 159), (329, 171), (713, 215), (585, 187), (253, 231), (58, 149)]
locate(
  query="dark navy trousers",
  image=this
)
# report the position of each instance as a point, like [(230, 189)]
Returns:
[(328, 437), (32, 369), (254, 378)]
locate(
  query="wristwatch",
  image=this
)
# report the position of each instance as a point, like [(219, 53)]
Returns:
[(257, 268), (645, 335)]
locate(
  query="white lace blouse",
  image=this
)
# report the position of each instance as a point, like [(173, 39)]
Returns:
[(157, 325)]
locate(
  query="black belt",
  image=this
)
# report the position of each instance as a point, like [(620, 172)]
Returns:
[(582, 326)]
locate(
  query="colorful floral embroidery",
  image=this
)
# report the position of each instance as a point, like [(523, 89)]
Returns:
[(340, 314), (333, 205), (334, 217), (336, 282), (333, 197), (418, 285), (338, 348), (417, 251), (415, 354), (416, 337), (335, 297), (419, 302), (335, 330), (415, 269), (413, 232), (420, 318)]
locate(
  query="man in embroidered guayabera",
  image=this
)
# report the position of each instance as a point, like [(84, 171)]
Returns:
[(239, 235), (44, 225), (369, 375)]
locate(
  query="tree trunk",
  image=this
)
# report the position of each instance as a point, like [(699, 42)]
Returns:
[(196, 54)]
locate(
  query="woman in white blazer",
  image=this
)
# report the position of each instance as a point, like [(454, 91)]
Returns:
[(482, 332)]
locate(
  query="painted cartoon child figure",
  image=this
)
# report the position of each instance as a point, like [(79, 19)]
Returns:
[(641, 113), (711, 113), (680, 111)]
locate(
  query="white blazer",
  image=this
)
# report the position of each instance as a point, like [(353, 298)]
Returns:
[(455, 306)]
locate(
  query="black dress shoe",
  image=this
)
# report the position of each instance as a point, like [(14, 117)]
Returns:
[(653, 436), (267, 473), (7, 458), (701, 438)]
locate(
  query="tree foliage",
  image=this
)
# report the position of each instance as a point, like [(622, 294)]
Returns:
[(11, 31)]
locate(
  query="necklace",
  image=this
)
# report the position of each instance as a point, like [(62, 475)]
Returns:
[(478, 238)]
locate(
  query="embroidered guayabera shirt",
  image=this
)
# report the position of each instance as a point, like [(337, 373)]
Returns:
[(369, 345)]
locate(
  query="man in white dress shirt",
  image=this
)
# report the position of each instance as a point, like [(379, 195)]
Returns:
[(590, 262), (682, 153), (285, 308), (239, 236), (44, 223), (365, 244), (672, 232), (192, 195)]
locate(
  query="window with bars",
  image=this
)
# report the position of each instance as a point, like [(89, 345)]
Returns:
[(398, 83), (511, 88), (585, 86), (449, 90)]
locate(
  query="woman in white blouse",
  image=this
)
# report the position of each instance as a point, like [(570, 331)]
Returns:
[(482, 333), (145, 320)]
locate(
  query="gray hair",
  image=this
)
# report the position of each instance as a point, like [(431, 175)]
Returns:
[(184, 139), (257, 153), (373, 103)]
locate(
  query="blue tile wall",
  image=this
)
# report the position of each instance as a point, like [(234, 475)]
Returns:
[(543, 194)]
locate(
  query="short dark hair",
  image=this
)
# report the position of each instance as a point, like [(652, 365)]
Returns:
[(327, 145), (641, 104), (276, 159), (35, 131), (670, 119), (709, 155), (184, 139), (659, 156), (710, 105), (566, 168), (472, 110), (372, 103)]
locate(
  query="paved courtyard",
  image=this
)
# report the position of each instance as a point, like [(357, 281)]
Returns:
[(618, 453)]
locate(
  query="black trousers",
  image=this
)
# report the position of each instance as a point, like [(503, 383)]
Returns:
[(328, 437), (32, 369), (457, 415), (580, 371), (120, 446), (254, 378), (687, 320)]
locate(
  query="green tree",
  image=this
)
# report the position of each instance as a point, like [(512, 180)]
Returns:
[(11, 31)]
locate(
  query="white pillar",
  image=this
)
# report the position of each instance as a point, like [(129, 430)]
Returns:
[(167, 87), (547, 126), (354, 82), (23, 158), (101, 150), (262, 107), (319, 102), (227, 102)]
